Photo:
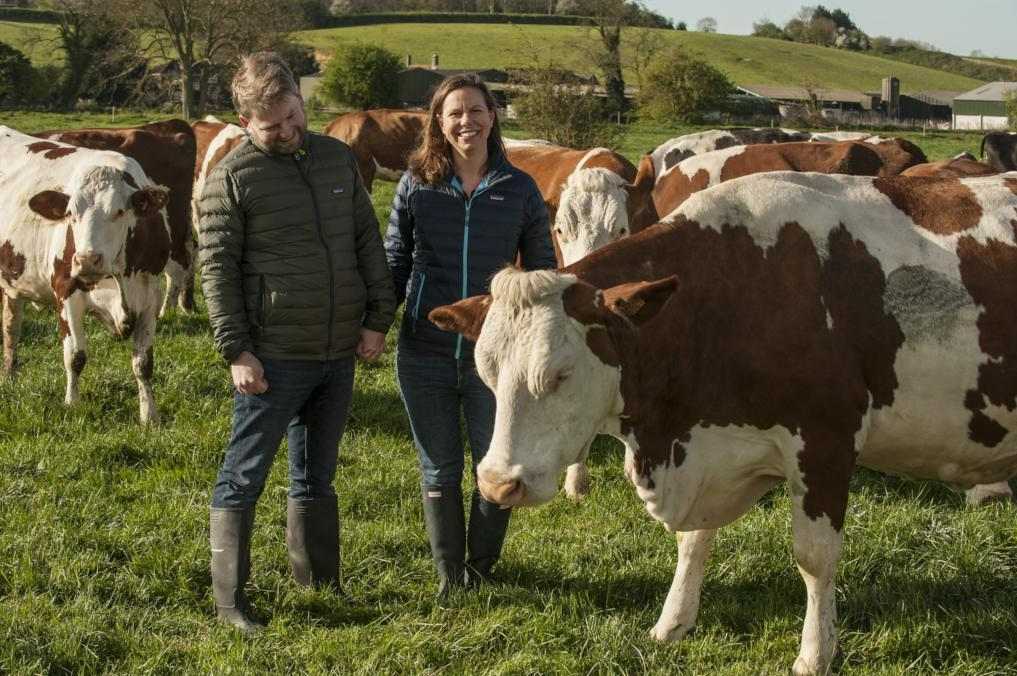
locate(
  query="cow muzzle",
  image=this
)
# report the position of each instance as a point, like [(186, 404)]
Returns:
[(88, 266), (507, 493)]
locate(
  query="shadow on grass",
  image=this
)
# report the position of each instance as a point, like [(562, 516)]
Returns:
[(379, 411), (179, 323)]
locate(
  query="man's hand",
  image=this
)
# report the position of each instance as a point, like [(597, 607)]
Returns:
[(248, 374), (371, 344)]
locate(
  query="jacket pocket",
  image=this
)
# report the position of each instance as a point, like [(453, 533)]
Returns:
[(420, 295)]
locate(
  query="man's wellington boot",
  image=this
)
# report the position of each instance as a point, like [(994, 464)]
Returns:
[(488, 525), (312, 538), (230, 541), (446, 529)]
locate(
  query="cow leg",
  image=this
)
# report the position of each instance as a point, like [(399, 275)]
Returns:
[(173, 275), (143, 364), (682, 605), (577, 481), (187, 294), (13, 310), (72, 330), (577, 477), (983, 493), (817, 547)]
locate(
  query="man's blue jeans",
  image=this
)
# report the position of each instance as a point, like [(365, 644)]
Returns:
[(307, 400), (435, 388)]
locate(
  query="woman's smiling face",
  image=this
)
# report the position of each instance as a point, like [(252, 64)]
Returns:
[(466, 121)]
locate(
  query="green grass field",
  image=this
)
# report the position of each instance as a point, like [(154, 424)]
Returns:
[(104, 554), (745, 60), (38, 41)]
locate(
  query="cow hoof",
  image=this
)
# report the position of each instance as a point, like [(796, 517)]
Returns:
[(150, 420), (987, 493), (669, 634), (804, 668)]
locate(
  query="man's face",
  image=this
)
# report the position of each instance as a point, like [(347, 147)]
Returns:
[(280, 129)]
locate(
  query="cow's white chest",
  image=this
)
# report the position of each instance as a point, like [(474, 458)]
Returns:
[(724, 472)]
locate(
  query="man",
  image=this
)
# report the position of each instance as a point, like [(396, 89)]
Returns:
[(296, 283)]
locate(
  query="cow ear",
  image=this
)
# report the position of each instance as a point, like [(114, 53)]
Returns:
[(50, 204), (147, 201), (465, 317), (639, 302)]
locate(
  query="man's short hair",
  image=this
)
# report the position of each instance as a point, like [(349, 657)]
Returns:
[(262, 81)]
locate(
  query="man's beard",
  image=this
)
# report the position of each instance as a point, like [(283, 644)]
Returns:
[(289, 147)]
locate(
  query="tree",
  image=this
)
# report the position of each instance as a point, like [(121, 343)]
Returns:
[(206, 36), (362, 76), (15, 75), (1011, 109), (707, 25), (609, 18), (681, 26), (680, 88), (764, 28), (563, 112)]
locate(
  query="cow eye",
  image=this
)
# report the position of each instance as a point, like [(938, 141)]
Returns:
[(623, 231)]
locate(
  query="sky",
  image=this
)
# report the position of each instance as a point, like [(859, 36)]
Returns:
[(955, 26)]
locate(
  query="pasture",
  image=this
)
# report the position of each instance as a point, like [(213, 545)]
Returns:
[(104, 551), (744, 59)]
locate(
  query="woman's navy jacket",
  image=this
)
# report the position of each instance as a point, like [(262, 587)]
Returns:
[(442, 246)]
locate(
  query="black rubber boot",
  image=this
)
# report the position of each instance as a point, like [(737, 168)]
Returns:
[(446, 529), (488, 525), (230, 541), (312, 538)]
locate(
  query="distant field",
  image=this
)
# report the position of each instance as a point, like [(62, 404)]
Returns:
[(746, 60), (34, 39)]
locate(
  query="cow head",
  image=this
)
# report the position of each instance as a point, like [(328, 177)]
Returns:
[(592, 213), (546, 348), (103, 203)]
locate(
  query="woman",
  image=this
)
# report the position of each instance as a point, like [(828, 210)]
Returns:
[(461, 213)]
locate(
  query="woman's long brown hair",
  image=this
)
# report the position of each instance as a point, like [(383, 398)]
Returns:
[(431, 162)]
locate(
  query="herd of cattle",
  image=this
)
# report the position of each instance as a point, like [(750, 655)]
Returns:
[(743, 307)]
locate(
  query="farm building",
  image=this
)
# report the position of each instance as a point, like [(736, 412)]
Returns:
[(984, 107), (788, 98)]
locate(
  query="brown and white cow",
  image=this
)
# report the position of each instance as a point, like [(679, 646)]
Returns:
[(85, 231), (585, 192), (215, 141), (958, 167), (780, 327), (380, 139), (671, 152), (165, 150), (709, 169)]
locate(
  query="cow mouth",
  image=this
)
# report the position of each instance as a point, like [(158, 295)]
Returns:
[(506, 494)]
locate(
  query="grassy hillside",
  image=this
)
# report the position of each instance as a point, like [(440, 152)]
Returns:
[(746, 60), (34, 39)]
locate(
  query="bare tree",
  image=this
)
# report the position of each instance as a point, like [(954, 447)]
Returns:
[(205, 34), (707, 25)]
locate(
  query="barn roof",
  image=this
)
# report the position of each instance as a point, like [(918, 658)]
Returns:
[(800, 94), (993, 91)]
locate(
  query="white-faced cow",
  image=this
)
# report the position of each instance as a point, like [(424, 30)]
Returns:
[(585, 192), (778, 327), (381, 140), (82, 230), (671, 152), (166, 152), (999, 149)]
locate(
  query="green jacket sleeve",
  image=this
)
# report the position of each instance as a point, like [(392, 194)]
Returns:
[(220, 250), (381, 302)]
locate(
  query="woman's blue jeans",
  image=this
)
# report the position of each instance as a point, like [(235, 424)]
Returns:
[(306, 400), (435, 389)]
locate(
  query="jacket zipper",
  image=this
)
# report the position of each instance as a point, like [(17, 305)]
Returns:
[(420, 294), (466, 244), (297, 158)]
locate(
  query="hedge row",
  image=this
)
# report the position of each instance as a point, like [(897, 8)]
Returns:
[(27, 15), (451, 17)]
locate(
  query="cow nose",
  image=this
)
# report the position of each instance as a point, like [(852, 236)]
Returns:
[(87, 262), (506, 493)]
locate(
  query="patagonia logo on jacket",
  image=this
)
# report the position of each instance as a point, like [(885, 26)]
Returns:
[(498, 198), (337, 190)]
